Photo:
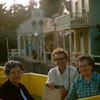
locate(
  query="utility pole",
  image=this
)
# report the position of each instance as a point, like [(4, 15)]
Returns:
[(70, 42), (44, 56)]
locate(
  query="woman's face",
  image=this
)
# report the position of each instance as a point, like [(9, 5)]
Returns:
[(60, 60), (84, 68), (15, 75)]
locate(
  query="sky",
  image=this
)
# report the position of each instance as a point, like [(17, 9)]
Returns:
[(10, 2)]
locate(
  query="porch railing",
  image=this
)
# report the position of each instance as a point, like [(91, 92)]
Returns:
[(96, 59), (79, 19), (15, 53), (73, 19)]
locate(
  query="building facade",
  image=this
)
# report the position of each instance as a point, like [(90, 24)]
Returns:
[(74, 24), (50, 40), (80, 24), (29, 34)]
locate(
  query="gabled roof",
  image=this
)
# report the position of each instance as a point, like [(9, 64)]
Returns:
[(67, 4), (64, 4)]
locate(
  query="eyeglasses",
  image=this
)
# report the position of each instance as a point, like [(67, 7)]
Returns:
[(82, 66), (60, 59), (16, 72)]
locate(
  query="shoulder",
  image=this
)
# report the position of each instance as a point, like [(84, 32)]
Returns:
[(73, 68), (21, 85), (77, 79), (76, 83), (96, 75), (53, 69), (5, 87), (6, 84)]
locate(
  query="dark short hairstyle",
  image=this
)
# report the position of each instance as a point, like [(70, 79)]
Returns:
[(12, 64), (85, 57), (58, 51)]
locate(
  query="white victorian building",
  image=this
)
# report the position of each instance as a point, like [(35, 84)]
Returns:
[(29, 34)]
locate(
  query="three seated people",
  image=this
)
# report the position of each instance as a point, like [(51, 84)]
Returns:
[(70, 84)]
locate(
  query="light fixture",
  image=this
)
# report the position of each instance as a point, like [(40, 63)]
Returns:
[(35, 33)]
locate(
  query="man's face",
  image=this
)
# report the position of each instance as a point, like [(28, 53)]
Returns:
[(60, 60)]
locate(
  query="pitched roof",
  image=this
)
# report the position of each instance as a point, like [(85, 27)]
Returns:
[(67, 4)]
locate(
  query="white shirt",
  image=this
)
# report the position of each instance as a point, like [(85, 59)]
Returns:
[(62, 79)]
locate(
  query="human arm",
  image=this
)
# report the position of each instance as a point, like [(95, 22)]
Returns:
[(50, 82), (64, 93)]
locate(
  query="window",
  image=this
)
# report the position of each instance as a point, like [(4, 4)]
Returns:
[(37, 14)]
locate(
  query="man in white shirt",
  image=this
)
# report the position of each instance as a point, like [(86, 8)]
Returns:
[(61, 76)]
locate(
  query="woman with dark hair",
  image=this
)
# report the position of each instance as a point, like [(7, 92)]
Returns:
[(87, 83), (12, 89)]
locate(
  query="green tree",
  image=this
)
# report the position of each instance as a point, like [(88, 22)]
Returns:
[(16, 15), (19, 13), (31, 5), (10, 19), (50, 7), (3, 16)]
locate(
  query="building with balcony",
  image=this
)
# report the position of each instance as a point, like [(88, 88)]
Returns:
[(77, 24), (50, 40), (94, 31), (29, 34)]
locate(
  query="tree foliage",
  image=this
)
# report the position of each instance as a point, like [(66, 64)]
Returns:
[(50, 7), (32, 4), (16, 15), (10, 19), (3, 16)]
